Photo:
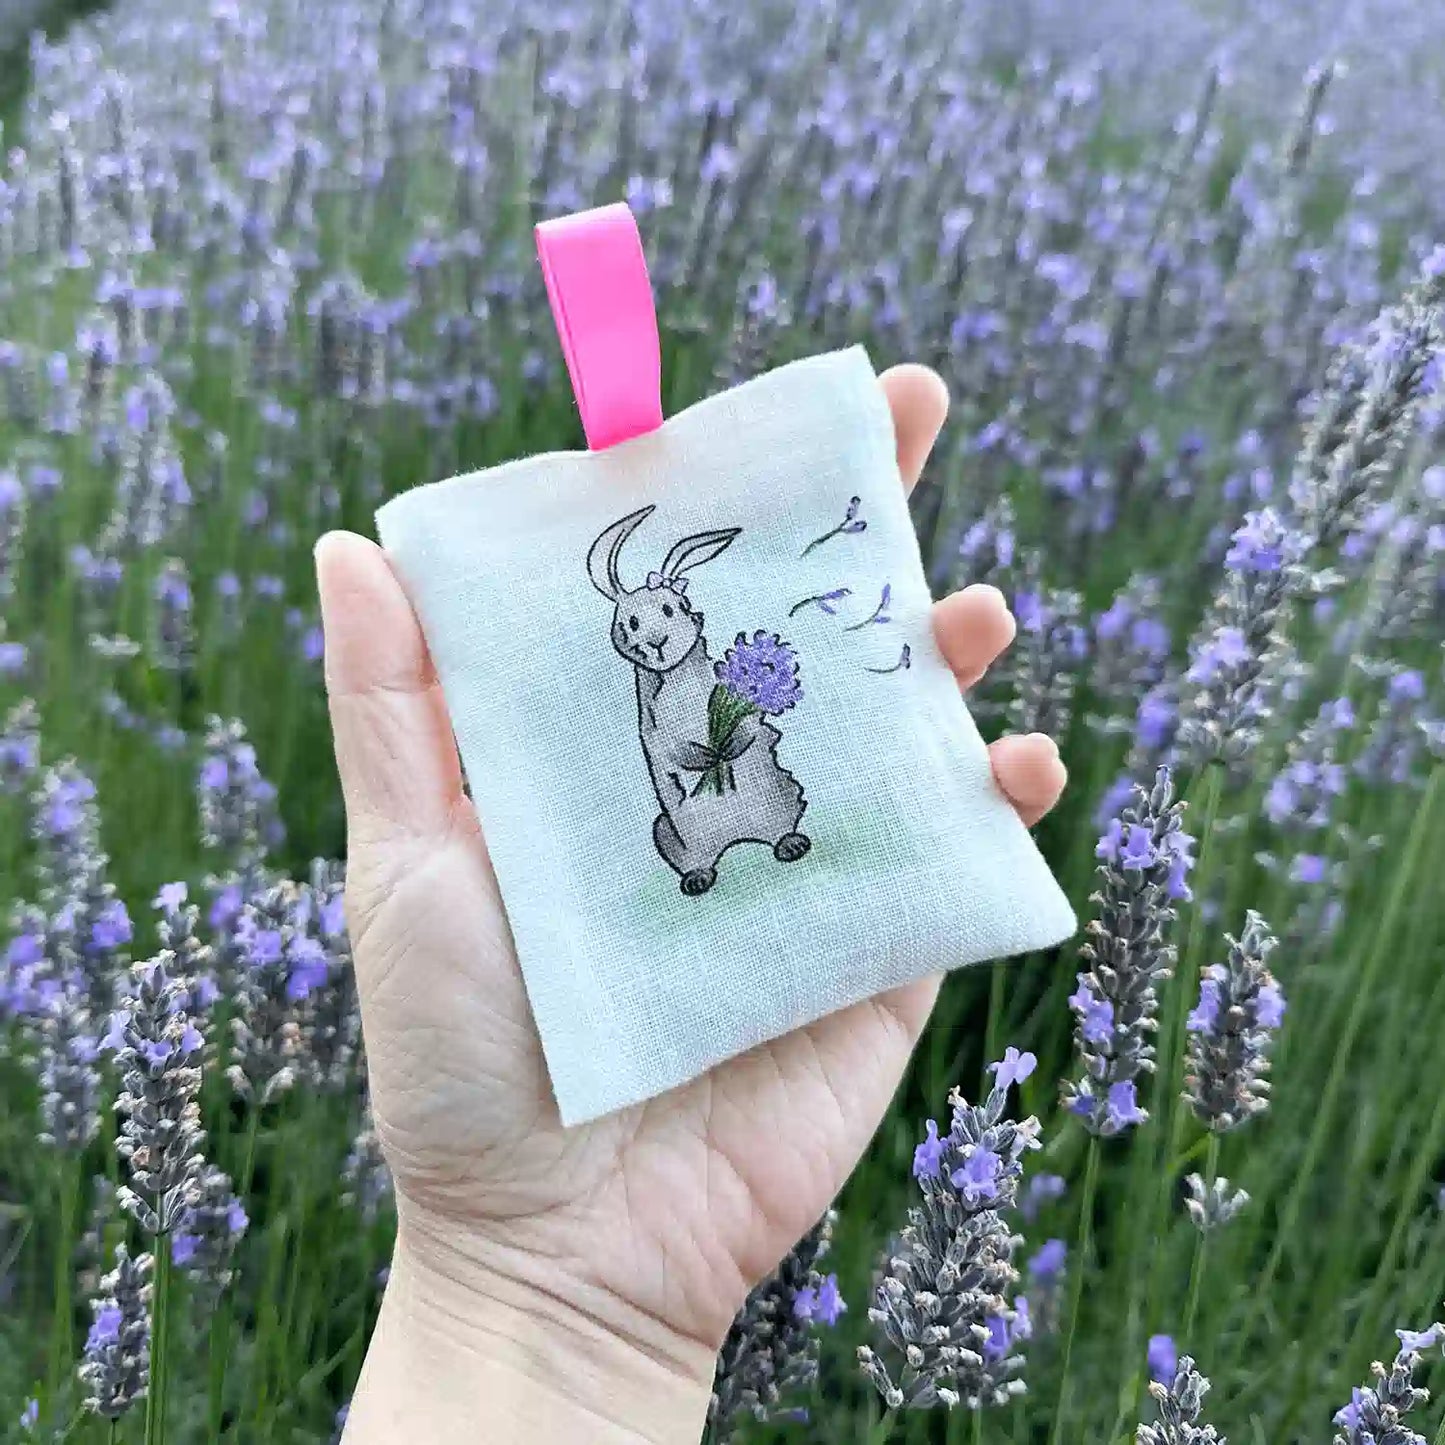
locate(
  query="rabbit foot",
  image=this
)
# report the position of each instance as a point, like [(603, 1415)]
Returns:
[(791, 846), (698, 881)]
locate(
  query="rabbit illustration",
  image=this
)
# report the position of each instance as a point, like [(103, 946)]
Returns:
[(711, 796)]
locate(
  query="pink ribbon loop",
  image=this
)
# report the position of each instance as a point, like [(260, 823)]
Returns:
[(602, 303)]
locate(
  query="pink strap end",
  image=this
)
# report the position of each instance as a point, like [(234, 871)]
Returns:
[(601, 299)]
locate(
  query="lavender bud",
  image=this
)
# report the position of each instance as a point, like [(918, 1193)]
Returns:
[(19, 747), (771, 1351), (1231, 1031), (1211, 1205), (171, 624), (115, 1369), (1044, 661), (1180, 1402), (1145, 861), (67, 1072), (273, 948), (237, 805)]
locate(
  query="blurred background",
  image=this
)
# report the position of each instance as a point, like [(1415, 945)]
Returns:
[(261, 267)]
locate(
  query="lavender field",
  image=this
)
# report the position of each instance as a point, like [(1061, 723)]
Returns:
[(259, 273)]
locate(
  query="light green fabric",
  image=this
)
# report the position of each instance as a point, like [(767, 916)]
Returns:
[(917, 863)]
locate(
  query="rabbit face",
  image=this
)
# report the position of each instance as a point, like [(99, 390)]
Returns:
[(655, 628)]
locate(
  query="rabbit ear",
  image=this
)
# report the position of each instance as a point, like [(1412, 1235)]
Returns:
[(602, 557), (695, 550)]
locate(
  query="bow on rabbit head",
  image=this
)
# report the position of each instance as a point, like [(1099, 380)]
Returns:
[(654, 626)]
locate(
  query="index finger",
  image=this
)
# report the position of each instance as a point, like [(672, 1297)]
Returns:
[(918, 400)]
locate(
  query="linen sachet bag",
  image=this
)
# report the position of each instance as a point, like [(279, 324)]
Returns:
[(727, 782)]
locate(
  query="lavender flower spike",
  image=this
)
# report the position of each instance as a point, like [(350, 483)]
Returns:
[(1231, 1030), (943, 1304), (770, 1352), (1181, 1402), (1236, 655), (1145, 860), (115, 1369), (207, 1236), (158, 1057)]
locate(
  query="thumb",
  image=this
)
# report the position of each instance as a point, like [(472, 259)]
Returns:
[(394, 748)]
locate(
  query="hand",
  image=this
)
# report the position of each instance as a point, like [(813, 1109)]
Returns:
[(573, 1283)]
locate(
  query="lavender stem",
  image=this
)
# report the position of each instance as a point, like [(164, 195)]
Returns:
[(1196, 1267), (1076, 1282)]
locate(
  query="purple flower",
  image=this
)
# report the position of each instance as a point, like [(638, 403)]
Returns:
[(310, 968), (262, 947), (996, 1346), (113, 1039), (1096, 1015), (215, 773), (236, 1219), (171, 898), (1048, 1262), (183, 1248), (156, 1052), (1348, 1416), (1153, 726), (1309, 868), (1406, 686), (1205, 1014), (105, 1328), (1138, 850), (1122, 1106), (763, 672), (1013, 1068), (25, 950), (1107, 850), (822, 1305), (977, 1179), (111, 927), (1416, 1342), (927, 1155), (332, 916), (1177, 848), (1042, 1189), (1226, 648), (1259, 544), (1163, 1359), (226, 907), (1269, 1007)]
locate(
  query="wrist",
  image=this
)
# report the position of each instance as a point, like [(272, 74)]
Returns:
[(472, 1345)]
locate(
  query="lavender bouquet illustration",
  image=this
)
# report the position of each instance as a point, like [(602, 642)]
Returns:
[(757, 677)]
